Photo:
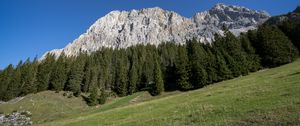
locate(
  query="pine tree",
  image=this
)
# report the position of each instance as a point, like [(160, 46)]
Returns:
[(182, 70), (59, 74), (234, 54), (133, 77), (253, 60), (103, 96), (210, 65), (44, 72), (292, 31), (274, 47), (87, 75), (76, 76), (223, 72), (197, 62), (14, 87), (6, 78), (28, 80), (158, 80), (121, 74), (93, 97)]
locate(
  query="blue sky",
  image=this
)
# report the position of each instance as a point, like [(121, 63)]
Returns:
[(28, 28)]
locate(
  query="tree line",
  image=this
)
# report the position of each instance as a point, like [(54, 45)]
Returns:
[(156, 69)]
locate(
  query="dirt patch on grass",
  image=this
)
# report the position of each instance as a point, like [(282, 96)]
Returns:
[(286, 116)]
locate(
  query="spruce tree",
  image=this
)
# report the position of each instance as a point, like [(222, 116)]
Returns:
[(14, 87), (253, 60), (6, 78), (103, 96), (87, 75), (197, 61), (76, 76), (133, 78), (28, 80), (59, 74), (158, 80), (210, 65), (182, 69), (93, 97), (44, 72), (292, 31), (274, 47), (121, 74)]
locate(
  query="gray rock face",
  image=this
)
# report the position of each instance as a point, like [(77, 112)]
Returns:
[(121, 29)]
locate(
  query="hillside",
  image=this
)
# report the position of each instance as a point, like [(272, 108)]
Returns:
[(266, 97)]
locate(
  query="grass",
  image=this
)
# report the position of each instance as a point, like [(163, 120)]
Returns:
[(48, 106), (267, 97)]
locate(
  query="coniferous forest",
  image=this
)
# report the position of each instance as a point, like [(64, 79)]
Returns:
[(166, 67)]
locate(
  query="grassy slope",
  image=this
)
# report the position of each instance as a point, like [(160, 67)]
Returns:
[(49, 106), (46, 106), (268, 97)]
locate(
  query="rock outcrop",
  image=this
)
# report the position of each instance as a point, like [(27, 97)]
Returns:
[(121, 29)]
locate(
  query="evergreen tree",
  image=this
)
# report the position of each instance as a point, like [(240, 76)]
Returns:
[(210, 65), (87, 75), (121, 74), (102, 98), (14, 87), (6, 78), (234, 54), (76, 76), (44, 72), (59, 74), (274, 47), (93, 97), (28, 80), (197, 62), (182, 69), (253, 60), (292, 31), (158, 80), (223, 72), (133, 75)]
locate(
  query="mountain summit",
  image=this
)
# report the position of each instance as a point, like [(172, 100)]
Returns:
[(121, 29)]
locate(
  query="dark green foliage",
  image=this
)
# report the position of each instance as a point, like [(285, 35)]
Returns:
[(76, 76), (93, 97), (6, 78), (210, 67), (59, 74), (28, 77), (133, 74), (44, 73), (292, 30), (102, 98), (197, 63), (121, 73), (231, 49), (158, 80), (252, 60), (274, 47), (182, 69)]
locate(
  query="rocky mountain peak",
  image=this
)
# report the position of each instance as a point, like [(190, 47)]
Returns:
[(121, 29)]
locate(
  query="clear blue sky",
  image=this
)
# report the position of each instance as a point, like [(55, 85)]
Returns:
[(28, 28)]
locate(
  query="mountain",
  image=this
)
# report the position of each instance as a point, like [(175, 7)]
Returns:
[(121, 29), (293, 16)]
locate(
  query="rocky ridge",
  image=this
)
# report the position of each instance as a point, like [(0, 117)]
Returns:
[(121, 29)]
